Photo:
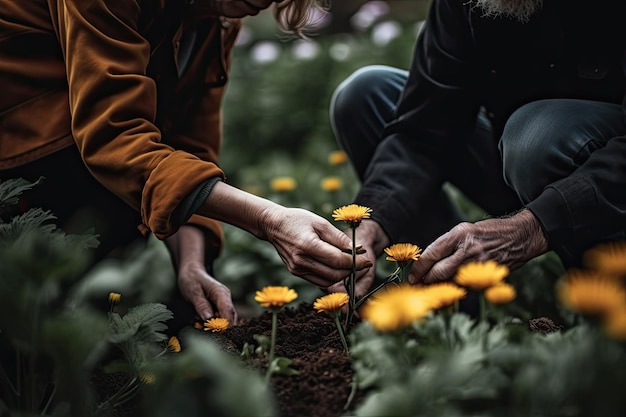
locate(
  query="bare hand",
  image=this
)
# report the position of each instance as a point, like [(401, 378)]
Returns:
[(310, 246), (511, 241), (209, 297), (370, 236)]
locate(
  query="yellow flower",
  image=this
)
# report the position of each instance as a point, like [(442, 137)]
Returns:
[(590, 292), (283, 184), (609, 258), (331, 302), (615, 324), (337, 158), (114, 297), (443, 294), (216, 324), (147, 377), (331, 184), (275, 296), (352, 214), (480, 275), (173, 345), (396, 307), (403, 252), (501, 293)]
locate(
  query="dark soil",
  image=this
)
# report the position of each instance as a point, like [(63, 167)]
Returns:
[(323, 384)]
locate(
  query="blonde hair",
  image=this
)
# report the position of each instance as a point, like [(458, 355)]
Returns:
[(293, 16)]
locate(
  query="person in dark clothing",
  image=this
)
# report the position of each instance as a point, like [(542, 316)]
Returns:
[(517, 103)]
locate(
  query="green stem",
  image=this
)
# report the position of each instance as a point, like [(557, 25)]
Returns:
[(350, 289), (391, 278), (272, 345), (483, 308), (354, 386), (112, 400), (341, 334)]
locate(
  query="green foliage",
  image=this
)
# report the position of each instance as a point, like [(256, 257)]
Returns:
[(453, 366), (139, 332), (203, 380), (53, 342), (46, 339)]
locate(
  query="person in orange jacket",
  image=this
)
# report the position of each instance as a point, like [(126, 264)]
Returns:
[(117, 104)]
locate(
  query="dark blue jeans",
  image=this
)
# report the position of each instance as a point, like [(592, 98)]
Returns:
[(542, 142)]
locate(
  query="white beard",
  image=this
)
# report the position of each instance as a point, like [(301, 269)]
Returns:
[(520, 10)]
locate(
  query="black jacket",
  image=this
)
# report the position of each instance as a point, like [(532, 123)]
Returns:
[(462, 61)]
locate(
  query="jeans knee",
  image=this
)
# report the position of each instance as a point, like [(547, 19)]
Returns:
[(353, 97), (529, 149)]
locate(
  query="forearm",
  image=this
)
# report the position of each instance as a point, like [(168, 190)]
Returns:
[(238, 208), (186, 246)]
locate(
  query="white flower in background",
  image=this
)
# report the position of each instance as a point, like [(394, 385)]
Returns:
[(265, 52), (340, 51), (368, 13), (305, 49), (385, 32)]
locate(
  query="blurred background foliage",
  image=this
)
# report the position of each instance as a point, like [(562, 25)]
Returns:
[(276, 122), (276, 126)]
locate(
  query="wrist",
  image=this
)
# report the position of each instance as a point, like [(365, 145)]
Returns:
[(533, 232)]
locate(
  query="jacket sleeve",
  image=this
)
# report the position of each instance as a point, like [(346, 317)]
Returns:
[(590, 204), (113, 107), (200, 132), (435, 112)]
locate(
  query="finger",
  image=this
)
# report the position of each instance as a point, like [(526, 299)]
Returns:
[(202, 305), (444, 270), (221, 297), (441, 248), (323, 275)]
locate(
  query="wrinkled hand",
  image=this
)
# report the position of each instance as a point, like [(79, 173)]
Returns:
[(310, 246), (209, 297), (239, 8), (510, 241), (371, 237)]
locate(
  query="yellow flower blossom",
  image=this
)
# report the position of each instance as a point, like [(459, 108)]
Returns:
[(590, 292), (403, 252), (480, 275), (443, 294), (274, 296), (501, 293), (331, 302), (609, 258), (173, 345), (337, 158), (615, 324), (147, 377), (114, 297), (331, 184), (283, 184), (352, 214), (396, 307), (216, 324)]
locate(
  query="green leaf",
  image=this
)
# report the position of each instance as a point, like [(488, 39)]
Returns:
[(11, 189), (280, 365)]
